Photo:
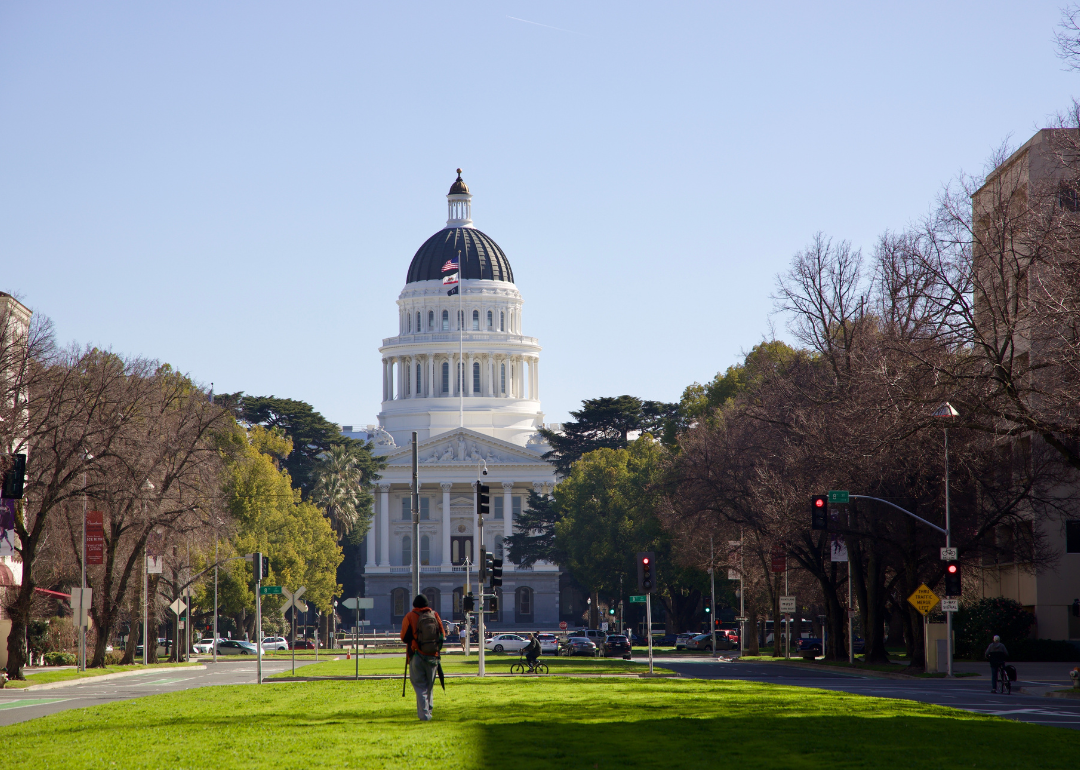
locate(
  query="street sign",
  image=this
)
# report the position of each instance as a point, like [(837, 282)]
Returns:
[(81, 606), (604, 626), (741, 620), (924, 599), (850, 612), (562, 625), (948, 554), (267, 590), (950, 605), (839, 496), (294, 602), (732, 574), (154, 564), (178, 606), (359, 603), (787, 604), (637, 599)]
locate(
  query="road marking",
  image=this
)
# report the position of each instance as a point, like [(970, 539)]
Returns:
[(19, 703), (163, 681)]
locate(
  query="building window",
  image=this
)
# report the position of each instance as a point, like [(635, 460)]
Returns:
[(458, 609), (431, 320), (497, 547), (408, 323), (502, 377), (502, 321), (419, 390), (516, 503), (1072, 536), (418, 329), (406, 551), (446, 377), (446, 320), (425, 508), (490, 323), (476, 320), (406, 508), (398, 602), (523, 604), (432, 595), (408, 380), (425, 551), (476, 378), (497, 503), (460, 319)]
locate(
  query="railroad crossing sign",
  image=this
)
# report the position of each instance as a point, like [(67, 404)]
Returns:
[(293, 599), (924, 599), (178, 606), (787, 605), (839, 496)]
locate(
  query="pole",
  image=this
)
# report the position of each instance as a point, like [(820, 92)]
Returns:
[(145, 604), (480, 641), (948, 544), (850, 620), (356, 647), (258, 618), (787, 638), (213, 645), (82, 594), (468, 620), (712, 595), (293, 629), (415, 502), (460, 361), (742, 602), (648, 623)]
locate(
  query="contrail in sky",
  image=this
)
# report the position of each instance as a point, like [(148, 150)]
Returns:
[(515, 18)]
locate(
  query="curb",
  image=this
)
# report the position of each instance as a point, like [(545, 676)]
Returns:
[(378, 677), (102, 678), (855, 672)]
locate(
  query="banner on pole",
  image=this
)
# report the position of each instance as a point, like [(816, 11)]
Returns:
[(838, 552), (154, 565), (95, 537)]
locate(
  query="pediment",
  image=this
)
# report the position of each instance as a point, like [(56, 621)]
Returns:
[(463, 448)]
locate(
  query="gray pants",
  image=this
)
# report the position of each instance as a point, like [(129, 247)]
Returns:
[(422, 676)]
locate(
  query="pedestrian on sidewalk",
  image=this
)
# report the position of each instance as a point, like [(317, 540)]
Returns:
[(996, 653), (422, 632)]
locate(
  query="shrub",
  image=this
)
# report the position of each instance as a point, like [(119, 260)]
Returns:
[(60, 659), (977, 622), (113, 658)]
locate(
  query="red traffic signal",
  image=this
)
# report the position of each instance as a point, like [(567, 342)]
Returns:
[(819, 512), (645, 577), (953, 584)]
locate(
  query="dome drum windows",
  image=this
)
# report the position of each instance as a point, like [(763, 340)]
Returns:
[(489, 320), (476, 320), (431, 320), (446, 377), (446, 320)]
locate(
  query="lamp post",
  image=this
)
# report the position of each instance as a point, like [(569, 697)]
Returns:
[(82, 593), (947, 412), (147, 486)]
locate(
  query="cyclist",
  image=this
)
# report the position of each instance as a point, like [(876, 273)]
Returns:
[(532, 651), (996, 653)]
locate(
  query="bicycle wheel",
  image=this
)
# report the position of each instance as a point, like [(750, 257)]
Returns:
[(517, 668), (541, 668)]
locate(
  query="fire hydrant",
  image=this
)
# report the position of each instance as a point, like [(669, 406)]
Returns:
[(3, 678), (1075, 674)]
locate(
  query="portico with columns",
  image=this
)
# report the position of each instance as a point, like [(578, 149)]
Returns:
[(463, 376)]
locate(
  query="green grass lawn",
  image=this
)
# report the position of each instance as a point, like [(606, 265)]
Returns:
[(64, 674), (457, 664), (530, 723)]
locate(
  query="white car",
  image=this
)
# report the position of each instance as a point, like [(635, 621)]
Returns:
[(204, 646), (506, 643), (274, 643), (549, 644)]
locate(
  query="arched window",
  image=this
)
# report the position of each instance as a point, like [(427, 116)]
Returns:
[(419, 372), (418, 327), (406, 551), (425, 550), (446, 320), (398, 602), (498, 544), (502, 378), (461, 319), (476, 320), (446, 377), (502, 321), (489, 320), (408, 379), (476, 378), (432, 595), (523, 605), (431, 320), (458, 608)]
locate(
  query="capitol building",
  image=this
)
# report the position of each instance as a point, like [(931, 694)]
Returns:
[(461, 373)]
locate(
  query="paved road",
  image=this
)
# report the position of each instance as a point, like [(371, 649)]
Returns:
[(968, 694), (21, 705)]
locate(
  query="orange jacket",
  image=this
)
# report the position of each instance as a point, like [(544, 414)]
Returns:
[(409, 628)]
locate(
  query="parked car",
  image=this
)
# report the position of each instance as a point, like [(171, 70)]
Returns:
[(506, 643), (164, 649), (204, 646), (577, 645), (681, 640), (275, 643), (667, 640), (808, 645), (617, 646), (593, 635), (303, 644), (549, 644), (705, 642), (236, 647)]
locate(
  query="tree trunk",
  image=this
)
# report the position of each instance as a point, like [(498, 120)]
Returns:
[(150, 645)]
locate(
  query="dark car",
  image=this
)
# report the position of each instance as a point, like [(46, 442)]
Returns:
[(617, 646), (808, 646), (705, 642), (303, 644), (577, 645), (667, 640)]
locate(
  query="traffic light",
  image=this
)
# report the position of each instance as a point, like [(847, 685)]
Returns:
[(493, 605), (708, 610), (260, 566), (483, 566), (483, 499), (495, 571), (611, 611), (13, 479), (952, 579), (819, 512), (646, 571), (469, 603)]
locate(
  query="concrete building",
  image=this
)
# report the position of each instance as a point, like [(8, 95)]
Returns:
[(461, 373), (1030, 183)]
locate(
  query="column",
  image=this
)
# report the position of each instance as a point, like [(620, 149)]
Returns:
[(508, 509), (488, 364), (384, 379), (384, 524), (370, 547), (400, 377), (536, 376), (446, 523), (469, 375), (431, 376)]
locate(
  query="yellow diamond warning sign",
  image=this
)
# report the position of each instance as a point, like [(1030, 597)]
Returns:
[(924, 599)]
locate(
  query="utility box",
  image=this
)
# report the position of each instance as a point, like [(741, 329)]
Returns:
[(937, 647)]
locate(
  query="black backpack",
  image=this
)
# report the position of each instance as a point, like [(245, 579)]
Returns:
[(428, 633)]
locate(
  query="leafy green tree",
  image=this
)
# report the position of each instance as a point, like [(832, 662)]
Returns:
[(534, 538), (343, 480), (605, 423), (699, 402), (606, 512)]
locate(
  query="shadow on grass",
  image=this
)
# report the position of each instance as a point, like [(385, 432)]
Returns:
[(786, 741)]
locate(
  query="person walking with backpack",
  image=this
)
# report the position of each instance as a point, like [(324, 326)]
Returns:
[(996, 653), (422, 632)]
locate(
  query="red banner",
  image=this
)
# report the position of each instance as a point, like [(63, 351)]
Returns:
[(779, 560), (95, 537)]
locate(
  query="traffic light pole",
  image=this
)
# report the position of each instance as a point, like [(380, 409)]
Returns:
[(648, 622), (948, 544), (480, 610), (258, 617), (712, 596)]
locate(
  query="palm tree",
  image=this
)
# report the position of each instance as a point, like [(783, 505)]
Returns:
[(343, 480)]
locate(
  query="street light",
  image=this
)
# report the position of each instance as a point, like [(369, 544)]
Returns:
[(947, 412), (147, 486), (82, 595)]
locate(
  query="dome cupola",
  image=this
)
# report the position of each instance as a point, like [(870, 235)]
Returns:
[(459, 203)]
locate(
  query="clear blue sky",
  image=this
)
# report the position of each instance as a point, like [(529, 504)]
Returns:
[(238, 188)]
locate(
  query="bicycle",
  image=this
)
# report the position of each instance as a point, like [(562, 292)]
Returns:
[(523, 667), (1004, 680)]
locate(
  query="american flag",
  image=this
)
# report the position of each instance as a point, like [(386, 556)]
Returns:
[(451, 264)]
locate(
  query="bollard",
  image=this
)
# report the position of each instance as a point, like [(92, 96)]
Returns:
[(1075, 674)]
